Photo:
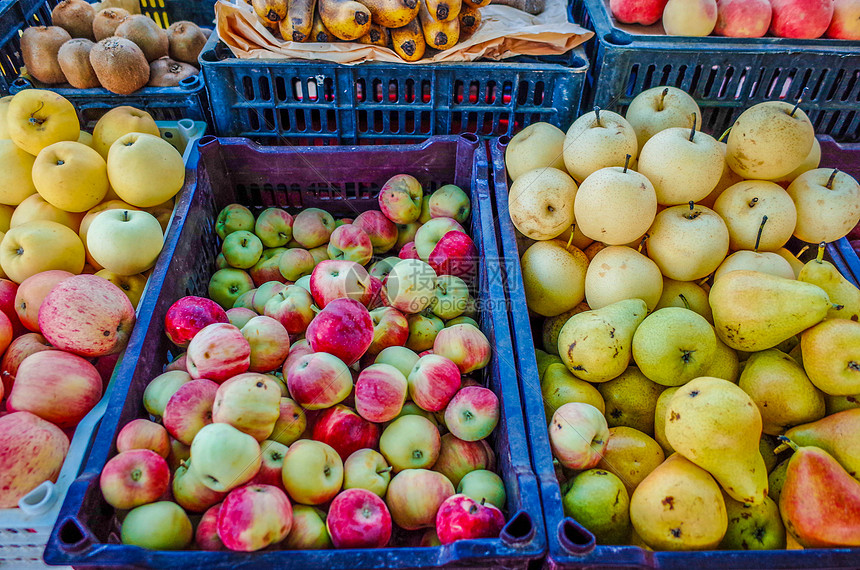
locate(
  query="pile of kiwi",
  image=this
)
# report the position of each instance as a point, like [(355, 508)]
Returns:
[(111, 48)]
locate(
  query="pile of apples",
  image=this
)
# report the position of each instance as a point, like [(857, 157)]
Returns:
[(686, 351), (319, 404), (799, 19)]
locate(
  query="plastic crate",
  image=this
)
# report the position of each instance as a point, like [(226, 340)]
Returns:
[(24, 531), (281, 101), (187, 100), (724, 75), (341, 180), (571, 546)]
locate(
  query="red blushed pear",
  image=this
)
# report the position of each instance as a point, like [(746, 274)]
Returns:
[(32, 292), (189, 409), (32, 451), (19, 349), (253, 517), (358, 519), (188, 316), (134, 478), (455, 254), (345, 431), (461, 517), (344, 328), (218, 352)]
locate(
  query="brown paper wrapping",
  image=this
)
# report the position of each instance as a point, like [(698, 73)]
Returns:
[(504, 32)]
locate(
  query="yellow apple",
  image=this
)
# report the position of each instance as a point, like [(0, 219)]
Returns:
[(86, 138), (125, 241), (131, 162), (131, 285), (39, 118), (120, 121), (91, 215), (4, 111), (40, 246), (70, 176), (16, 178), (37, 208), (5, 217)]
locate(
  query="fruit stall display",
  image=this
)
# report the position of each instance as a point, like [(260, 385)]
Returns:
[(690, 385)]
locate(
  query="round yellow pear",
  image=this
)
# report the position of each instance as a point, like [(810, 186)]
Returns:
[(728, 178), (536, 146), (4, 112), (553, 277), (812, 161), (16, 173), (87, 139), (540, 203), (596, 140), (688, 294), (38, 118), (618, 272), (120, 121), (125, 242), (828, 204), (743, 206), (131, 162), (688, 243), (660, 108), (37, 208), (131, 285), (766, 262), (70, 176), (39, 246), (615, 205)]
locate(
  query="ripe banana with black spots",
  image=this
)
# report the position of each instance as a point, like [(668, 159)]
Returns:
[(438, 35), (345, 19), (470, 19), (377, 36), (408, 41), (270, 11), (319, 33), (299, 22), (392, 13), (443, 10)]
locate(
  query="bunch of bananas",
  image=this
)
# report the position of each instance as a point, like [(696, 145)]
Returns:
[(407, 26)]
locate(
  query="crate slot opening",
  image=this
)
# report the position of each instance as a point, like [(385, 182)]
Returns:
[(574, 537), (520, 528)]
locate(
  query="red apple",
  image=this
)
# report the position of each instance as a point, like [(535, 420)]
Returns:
[(291, 423), (336, 279), (263, 293), (458, 457), (381, 230), (272, 465), (465, 345), (189, 409), (250, 403), (268, 267), (312, 227), (206, 535), (313, 472), (218, 352), (8, 292), (319, 380), (188, 316), (380, 392), (390, 328), (377, 296), (345, 431), (460, 517), (19, 349), (350, 242), (801, 19), (143, 434), (415, 495), (134, 478), (298, 349), (238, 317), (105, 365), (32, 451), (274, 227), (472, 413), (293, 308), (433, 382), (253, 517), (87, 315), (455, 254), (178, 363), (845, 24), (344, 328), (269, 341), (645, 12), (190, 493), (400, 199), (358, 519), (743, 18), (32, 292), (409, 251)]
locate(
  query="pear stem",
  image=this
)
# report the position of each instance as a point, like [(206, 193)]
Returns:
[(829, 184), (725, 134), (760, 230), (686, 302), (753, 202), (689, 215), (662, 96), (570, 239), (799, 253), (642, 243), (799, 100), (693, 130), (626, 163), (597, 114), (820, 256), (786, 442)]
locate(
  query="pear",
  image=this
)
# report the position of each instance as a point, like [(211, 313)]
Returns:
[(679, 506), (598, 500), (776, 479), (619, 272), (835, 404), (796, 264), (660, 108), (559, 387), (716, 425), (536, 146), (553, 277), (688, 242), (630, 400), (552, 326), (615, 205), (820, 502), (767, 446), (544, 359), (811, 162), (842, 293), (631, 455), (575, 237), (831, 356), (755, 311), (727, 180), (724, 364), (828, 204), (674, 345), (782, 391), (765, 262), (753, 527), (596, 140), (540, 202), (596, 345), (660, 420), (686, 294), (743, 205), (838, 435)]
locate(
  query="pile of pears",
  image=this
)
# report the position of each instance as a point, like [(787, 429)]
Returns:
[(726, 370)]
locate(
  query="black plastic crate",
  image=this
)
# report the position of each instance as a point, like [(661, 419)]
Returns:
[(724, 75), (186, 101), (341, 180)]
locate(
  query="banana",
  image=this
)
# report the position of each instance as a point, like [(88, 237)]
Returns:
[(470, 19), (392, 13), (299, 21), (443, 10), (377, 36), (345, 19), (270, 11), (477, 3), (439, 35), (319, 33), (408, 41)]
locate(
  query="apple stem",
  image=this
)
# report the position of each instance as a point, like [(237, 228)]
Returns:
[(686, 302), (570, 239), (693, 130), (799, 100), (725, 134), (33, 118), (820, 255), (597, 114), (626, 163), (760, 230), (786, 443), (642, 243), (829, 184), (662, 96), (386, 470)]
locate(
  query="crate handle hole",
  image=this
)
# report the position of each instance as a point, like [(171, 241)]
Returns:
[(72, 535), (519, 530), (618, 38), (471, 138), (19, 85), (39, 500), (190, 83), (575, 538), (206, 140)]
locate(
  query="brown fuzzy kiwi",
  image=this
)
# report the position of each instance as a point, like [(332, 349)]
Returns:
[(120, 65), (186, 41), (143, 31), (74, 58), (39, 48), (76, 17), (106, 22), (166, 72)]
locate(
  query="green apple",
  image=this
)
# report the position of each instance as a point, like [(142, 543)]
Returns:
[(309, 531), (221, 262), (424, 216), (367, 469), (242, 249), (313, 472), (483, 485), (399, 357), (751, 527), (295, 263), (461, 320), (224, 457), (423, 329), (245, 301), (410, 442), (233, 218), (597, 500), (265, 292), (319, 253), (406, 233), (291, 422), (412, 409), (380, 269), (226, 285), (274, 227), (162, 387), (157, 526), (450, 297), (450, 201)]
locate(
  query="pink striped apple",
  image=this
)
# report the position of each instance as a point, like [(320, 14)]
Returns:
[(206, 535), (319, 380), (269, 342), (400, 199), (465, 345), (433, 381), (351, 243), (143, 434), (188, 316), (381, 230), (337, 279), (390, 328), (190, 492), (461, 517), (472, 413), (32, 451), (134, 478), (344, 328), (345, 431), (293, 308), (380, 392), (358, 519), (189, 409), (415, 495), (253, 517), (218, 352)]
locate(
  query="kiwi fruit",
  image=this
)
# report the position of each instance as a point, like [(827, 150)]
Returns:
[(120, 65), (76, 17), (166, 72), (39, 48), (74, 58), (106, 22), (143, 31), (186, 41)]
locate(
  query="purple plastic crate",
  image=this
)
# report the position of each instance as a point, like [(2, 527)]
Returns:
[(342, 180)]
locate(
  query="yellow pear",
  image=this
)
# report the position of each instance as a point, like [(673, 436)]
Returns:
[(553, 277), (577, 239), (544, 359), (660, 420), (679, 506), (631, 455), (536, 146), (764, 262), (717, 426), (540, 202), (831, 356), (836, 404), (552, 326), (615, 205), (811, 162), (16, 174), (660, 108), (619, 272), (559, 387), (796, 264), (743, 206), (674, 345), (688, 242), (728, 179), (131, 161), (631, 399), (687, 294), (842, 293), (596, 140), (725, 363)]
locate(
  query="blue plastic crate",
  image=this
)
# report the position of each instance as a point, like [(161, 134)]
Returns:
[(724, 75), (571, 546), (845, 157), (341, 180)]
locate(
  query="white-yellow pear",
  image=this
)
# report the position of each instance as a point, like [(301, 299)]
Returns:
[(598, 140), (764, 262), (687, 294), (769, 140), (684, 165), (615, 205), (729, 178), (744, 205), (796, 264), (661, 108), (688, 243), (579, 239), (811, 162), (553, 277), (828, 204), (618, 272), (540, 203), (16, 173), (536, 146), (674, 345)]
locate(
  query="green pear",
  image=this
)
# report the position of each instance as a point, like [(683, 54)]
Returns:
[(755, 311), (552, 326), (598, 500), (631, 455), (834, 404), (831, 356), (724, 364), (781, 390), (717, 426), (674, 345), (844, 295), (686, 294), (838, 435), (544, 359), (660, 420), (558, 387), (767, 446), (776, 479), (753, 527), (631, 400), (596, 345)]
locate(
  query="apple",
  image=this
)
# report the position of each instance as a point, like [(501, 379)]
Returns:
[(313, 472), (405, 235), (450, 201), (272, 464), (253, 517), (400, 357), (415, 495), (345, 431), (8, 292), (801, 19), (189, 409), (227, 285), (133, 158), (119, 121), (455, 254), (242, 249), (131, 285), (319, 253), (31, 294), (32, 451), (429, 234), (390, 328), (157, 526), (377, 296), (295, 263), (380, 392), (358, 518), (274, 227), (233, 218), (400, 199), (250, 403), (319, 380), (188, 316), (312, 227), (298, 349), (206, 535), (126, 242), (190, 492), (292, 308), (223, 457), (461, 517), (19, 349), (423, 328), (218, 352), (143, 434), (267, 267), (309, 531), (134, 478), (845, 24), (343, 328), (37, 118), (246, 300), (433, 381), (337, 279), (381, 231), (291, 422), (350, 243), (239, 316), (458, 457), (411, 286), (465, 345), (410, 442), (161, 388), (179, 453), (472, 413), (269, 342), (645, 12), (263, 293), (367, 469), (578, 435), (482, 486), (743, 18), (450, 297)]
